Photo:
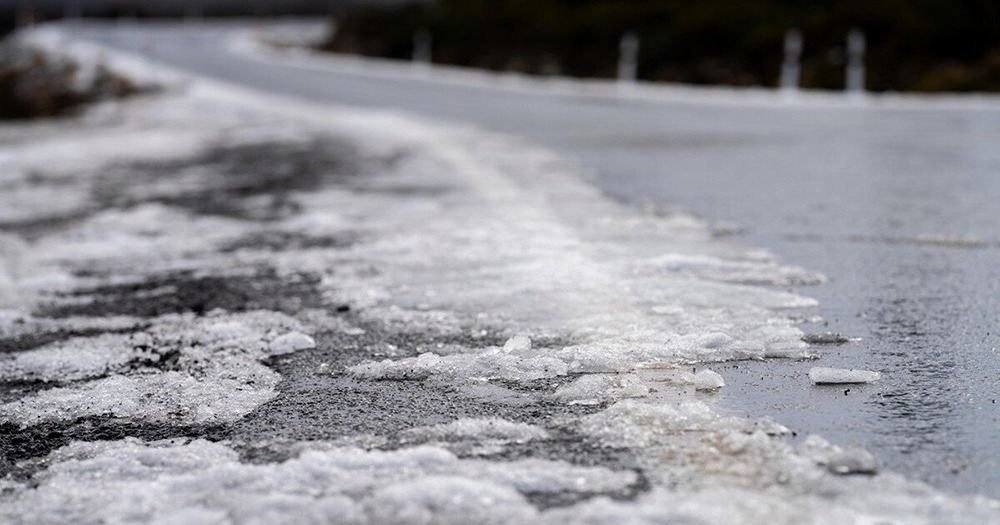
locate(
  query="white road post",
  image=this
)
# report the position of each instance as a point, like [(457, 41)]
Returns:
[(628, 60), (71, 12), (193, 12), (854, 83), (790, 67), (422, 51)]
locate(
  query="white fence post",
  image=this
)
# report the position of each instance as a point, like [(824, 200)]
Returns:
[(422, 47), (790, 66), (855, 81), (628, 58)]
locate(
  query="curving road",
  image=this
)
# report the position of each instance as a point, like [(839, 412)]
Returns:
[(896, 207)]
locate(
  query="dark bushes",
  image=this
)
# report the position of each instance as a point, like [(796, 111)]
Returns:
[(924, 45), (34, 85)]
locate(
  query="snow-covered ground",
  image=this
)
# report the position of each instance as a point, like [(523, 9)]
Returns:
[(164, 260)]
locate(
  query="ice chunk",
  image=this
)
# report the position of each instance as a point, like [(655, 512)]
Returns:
[(708, 381), (596, 388), (839, 460), (448, 499), (517, 344), (853, 461), (291, 342), (834, 376), (494, 429), (490, 364)]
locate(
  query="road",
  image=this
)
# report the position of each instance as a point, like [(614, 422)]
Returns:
[(896, 207)]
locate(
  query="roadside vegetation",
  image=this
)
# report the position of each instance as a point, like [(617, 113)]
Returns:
[(913, 45), (36, 85)]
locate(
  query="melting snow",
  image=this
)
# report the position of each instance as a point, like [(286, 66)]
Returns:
[(515, 244)]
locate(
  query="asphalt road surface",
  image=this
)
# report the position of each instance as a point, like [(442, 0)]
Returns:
[(896, 207)]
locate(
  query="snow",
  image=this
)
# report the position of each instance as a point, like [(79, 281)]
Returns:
[(216, 375), (493, 429), (174, 481), (505, 244), (834, 376), (494, 363)]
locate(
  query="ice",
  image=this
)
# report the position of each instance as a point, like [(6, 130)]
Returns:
[(181, 369), (448, 500), (518, 344), (823, 376), (170, 397), (172, 481), (508, 244), (853, 461), (493, 363), (291, 342), (71, 360), (592, 389), (737, 271), (491, 429), (839, 460), (707, 380)]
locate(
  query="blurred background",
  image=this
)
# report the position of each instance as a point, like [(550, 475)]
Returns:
[(912, 45)]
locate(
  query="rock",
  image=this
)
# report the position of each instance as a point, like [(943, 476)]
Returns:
[(841, 376)]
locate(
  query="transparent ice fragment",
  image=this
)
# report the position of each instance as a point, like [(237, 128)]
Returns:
[(708, 381), (841, 376), (291, 342), (517, 344), (596, 388)]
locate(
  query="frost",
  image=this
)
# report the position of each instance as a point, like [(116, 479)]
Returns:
[(823, 376)]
